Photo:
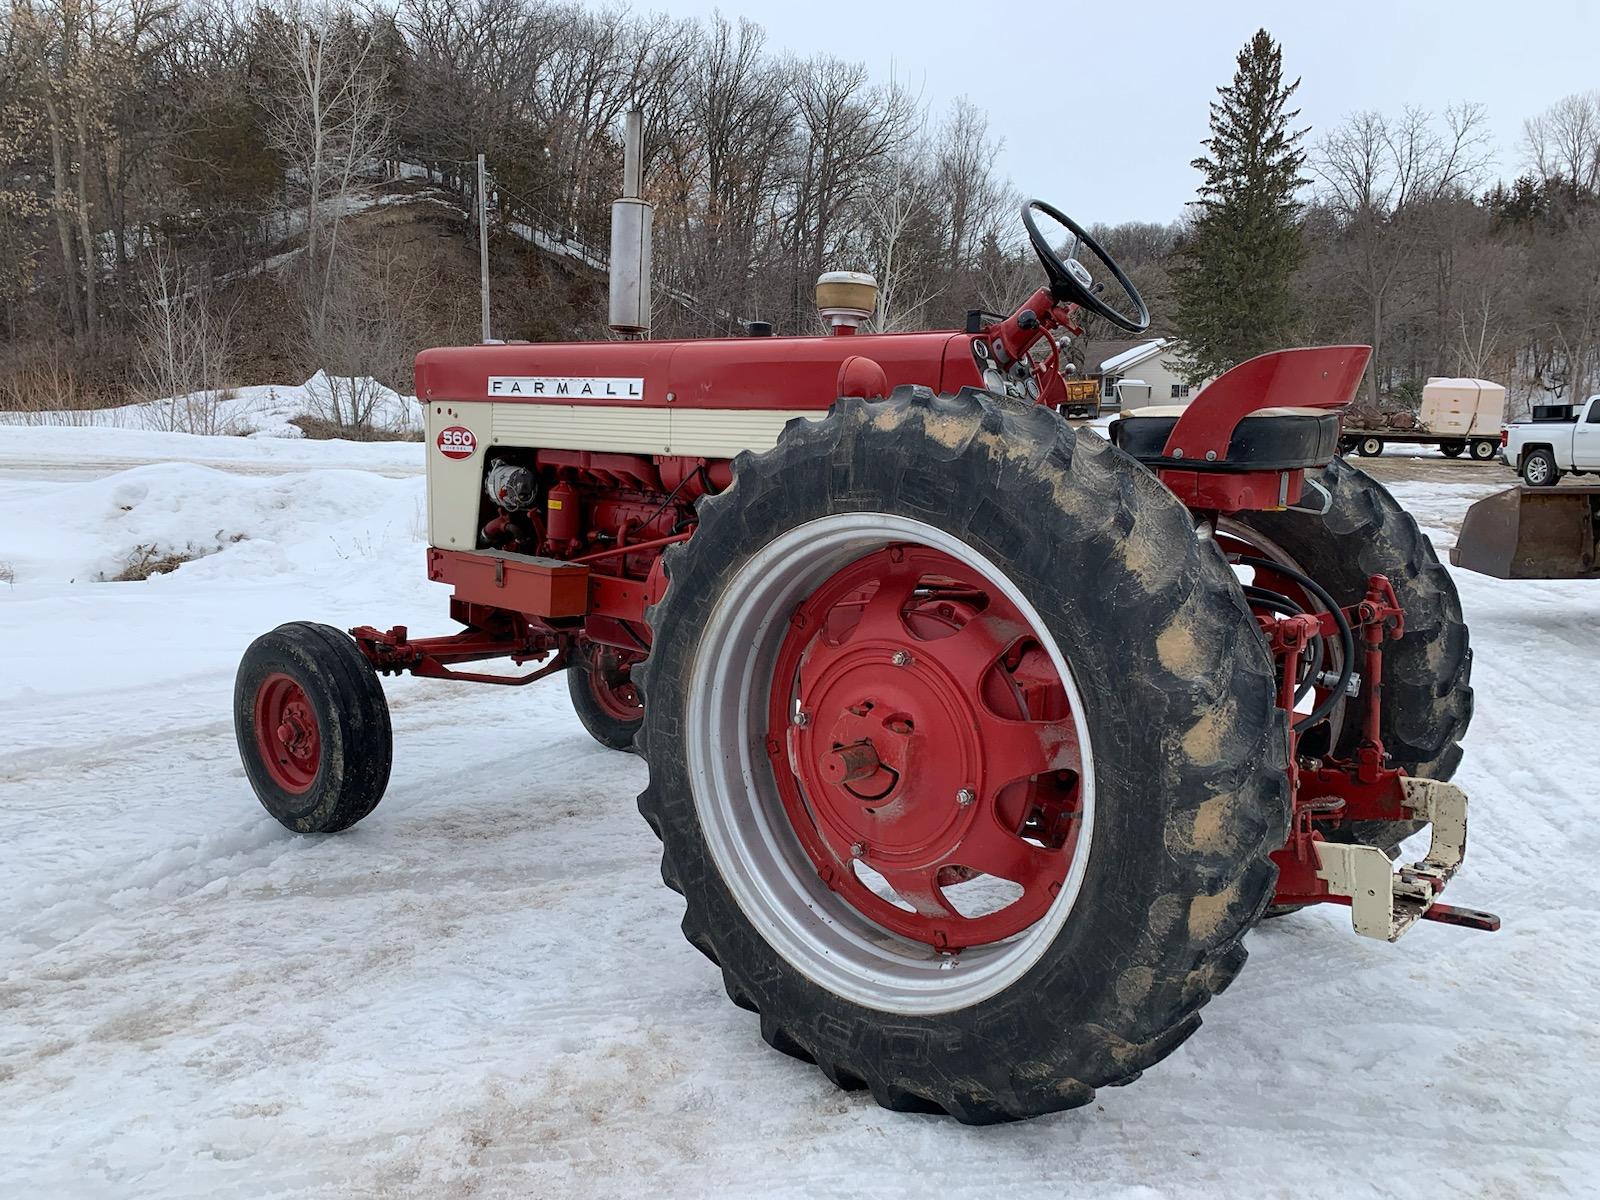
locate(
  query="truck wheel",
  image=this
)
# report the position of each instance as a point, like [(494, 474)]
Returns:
[(963, 753), (313, 727), (1483, 449), (1369, 447), (605, 698), (1452, 449), (1346, 444), (1427, 673), (1539, 469)]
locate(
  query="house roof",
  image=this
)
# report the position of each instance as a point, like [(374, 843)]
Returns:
[(1133, 355)]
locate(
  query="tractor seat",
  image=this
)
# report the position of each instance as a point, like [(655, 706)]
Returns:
[(1270, 439)]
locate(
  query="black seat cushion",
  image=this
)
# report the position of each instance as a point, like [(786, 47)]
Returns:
[(1274, 439)]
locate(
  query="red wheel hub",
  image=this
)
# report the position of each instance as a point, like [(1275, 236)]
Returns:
[(918, 730), (612, 686), (287, 734)]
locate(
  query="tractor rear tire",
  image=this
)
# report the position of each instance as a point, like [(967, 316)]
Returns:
[(1427, 673), (603, 695), (313, 727), (1169, 682)]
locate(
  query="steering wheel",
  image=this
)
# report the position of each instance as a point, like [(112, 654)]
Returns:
[(1070, 280)]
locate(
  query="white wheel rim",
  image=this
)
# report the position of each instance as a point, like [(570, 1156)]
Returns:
[(742, 818)]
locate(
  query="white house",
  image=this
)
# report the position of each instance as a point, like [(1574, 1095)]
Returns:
[(1145, 373)]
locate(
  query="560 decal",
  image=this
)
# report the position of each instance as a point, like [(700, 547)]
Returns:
[(456, 441)]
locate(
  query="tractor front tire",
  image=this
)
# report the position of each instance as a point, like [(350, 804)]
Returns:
[(968, 536), (605, 698), (312, 725)]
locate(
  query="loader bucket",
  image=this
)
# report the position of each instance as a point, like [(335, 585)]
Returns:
[(1532, 533)]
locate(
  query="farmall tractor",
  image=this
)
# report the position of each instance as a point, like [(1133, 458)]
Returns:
[(976, 745)]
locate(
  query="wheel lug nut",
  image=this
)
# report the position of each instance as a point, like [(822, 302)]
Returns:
[(965, 797), (801, 718), (858, 850), (901, 658)]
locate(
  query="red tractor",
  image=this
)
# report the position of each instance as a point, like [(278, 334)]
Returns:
[(976, 745)]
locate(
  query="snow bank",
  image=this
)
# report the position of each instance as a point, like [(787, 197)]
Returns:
[(265, 410), (233, 525)]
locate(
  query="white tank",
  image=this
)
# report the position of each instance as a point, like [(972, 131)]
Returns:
[(1463, 407)]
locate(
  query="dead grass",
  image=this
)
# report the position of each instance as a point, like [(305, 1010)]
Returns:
[(8, 573), (145, 561), (51, 383), (147, 558), (321, 430)]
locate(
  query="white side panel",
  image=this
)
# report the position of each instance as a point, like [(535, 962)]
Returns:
[(633, 429), (704, 432), (713, 433), (453, 484)]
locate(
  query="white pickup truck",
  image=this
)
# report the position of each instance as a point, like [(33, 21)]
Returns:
[(1544, 449)]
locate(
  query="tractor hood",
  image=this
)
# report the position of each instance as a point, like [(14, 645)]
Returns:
[(733, 373)]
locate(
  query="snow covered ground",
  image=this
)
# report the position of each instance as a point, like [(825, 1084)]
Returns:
[(482, 991)]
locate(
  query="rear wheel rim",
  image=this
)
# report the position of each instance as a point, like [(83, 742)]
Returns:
[(785, 813), (288, 736), (1537, 470)]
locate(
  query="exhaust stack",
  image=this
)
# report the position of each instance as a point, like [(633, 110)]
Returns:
[(631, 219)]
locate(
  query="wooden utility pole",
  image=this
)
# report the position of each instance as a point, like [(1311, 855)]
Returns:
[(483, 243)]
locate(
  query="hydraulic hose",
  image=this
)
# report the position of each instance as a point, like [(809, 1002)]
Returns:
[(1278, 602), (1347, 641)]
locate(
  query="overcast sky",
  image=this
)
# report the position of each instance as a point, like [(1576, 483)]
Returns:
[(1142, 74)]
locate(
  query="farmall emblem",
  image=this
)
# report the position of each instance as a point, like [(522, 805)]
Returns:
[(567, 387), (457, 442)]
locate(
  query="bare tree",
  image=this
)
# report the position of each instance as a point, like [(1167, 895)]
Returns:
[(330, 116), (899, 213), (965, 172), (1563, 142), (1379, 176), (1489, 310), (185, 348), (845, 130), (365, 336)]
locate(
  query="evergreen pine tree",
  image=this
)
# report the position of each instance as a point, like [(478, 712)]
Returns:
[(1232, 277)]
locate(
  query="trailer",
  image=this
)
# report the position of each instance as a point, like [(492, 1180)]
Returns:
[(1460, 416)]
